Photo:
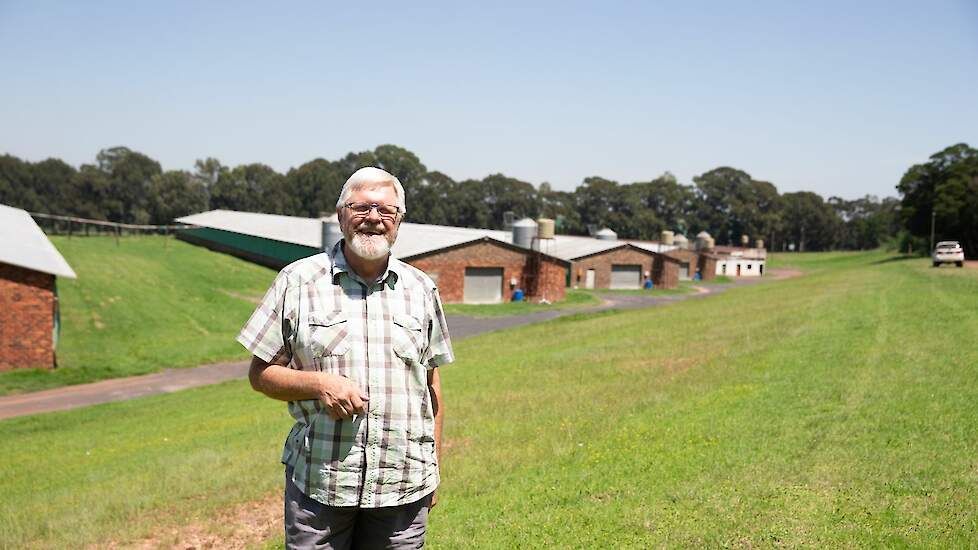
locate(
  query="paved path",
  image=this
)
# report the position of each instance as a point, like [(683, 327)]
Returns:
[(172, 380)]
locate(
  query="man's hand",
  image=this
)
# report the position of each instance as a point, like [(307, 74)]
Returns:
[(341, 396), (434, 499)]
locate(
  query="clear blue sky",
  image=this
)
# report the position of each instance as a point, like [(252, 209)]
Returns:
[(833, 97)]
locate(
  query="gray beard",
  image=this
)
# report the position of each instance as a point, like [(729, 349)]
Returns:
[(369, 247)]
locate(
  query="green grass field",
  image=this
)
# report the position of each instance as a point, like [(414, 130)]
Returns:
[(834, 409), (574, 299), (143, 306)]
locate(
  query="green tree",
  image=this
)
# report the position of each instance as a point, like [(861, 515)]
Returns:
[(504, 194), (435, 200), (866, 222), (731, 204), (174, 194), (810, 223), (52, 180), (16, 184), (129, 173), (251, 188), (207, 171), (314, 187), (945, 188), (597, 199), (561, 206), (471, 209), (674, 205), (92, 194)]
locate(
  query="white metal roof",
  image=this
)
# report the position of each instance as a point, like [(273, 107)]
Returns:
[(412, 239), (288, 229), (23, 244)]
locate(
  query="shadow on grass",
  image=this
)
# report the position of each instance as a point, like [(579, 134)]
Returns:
[(899, 258)]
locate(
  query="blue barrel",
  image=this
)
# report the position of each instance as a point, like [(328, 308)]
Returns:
[(648, 284), (518, 295)]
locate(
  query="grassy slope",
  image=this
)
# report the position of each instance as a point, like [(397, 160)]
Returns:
[(143, 306), (833, 409)]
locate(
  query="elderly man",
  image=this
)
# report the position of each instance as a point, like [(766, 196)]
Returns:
[(351, 339)]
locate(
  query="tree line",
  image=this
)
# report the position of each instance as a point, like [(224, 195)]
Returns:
[(127, 186)]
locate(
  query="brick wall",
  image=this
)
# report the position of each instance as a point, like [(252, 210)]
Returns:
[(26, 318), (705, 263), (708, 266), (553, 281), (665, 273), (448, 268)]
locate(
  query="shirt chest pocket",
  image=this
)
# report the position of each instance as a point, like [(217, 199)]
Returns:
[(329, 341), (408, 338)]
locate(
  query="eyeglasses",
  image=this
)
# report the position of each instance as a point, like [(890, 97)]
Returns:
[(361, 209)]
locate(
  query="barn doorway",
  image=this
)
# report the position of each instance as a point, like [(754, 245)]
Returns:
[(483, 285), (626, 276)]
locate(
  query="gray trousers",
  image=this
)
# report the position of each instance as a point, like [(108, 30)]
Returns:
[(311, 524)]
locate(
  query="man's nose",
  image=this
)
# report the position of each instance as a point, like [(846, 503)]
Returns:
[(374, 213)]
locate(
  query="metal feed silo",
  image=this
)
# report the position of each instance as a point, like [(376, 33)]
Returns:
[(606, 235), (680, 241), (331, 232), (704, 241), (667, 237), (523, 232)]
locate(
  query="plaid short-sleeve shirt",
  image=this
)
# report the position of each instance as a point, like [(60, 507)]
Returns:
[(320, 316)]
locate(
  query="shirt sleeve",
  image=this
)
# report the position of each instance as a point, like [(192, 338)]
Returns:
[(269, 331), (439, 350)]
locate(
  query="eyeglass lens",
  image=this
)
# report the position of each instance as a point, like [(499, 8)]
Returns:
[(366, 207)]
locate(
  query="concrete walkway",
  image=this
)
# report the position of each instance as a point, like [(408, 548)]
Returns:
[(172, 380)]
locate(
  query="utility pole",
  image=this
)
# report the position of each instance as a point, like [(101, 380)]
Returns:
[(933, 219)]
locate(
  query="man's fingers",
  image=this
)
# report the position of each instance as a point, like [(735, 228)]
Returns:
[(342, 411), (356, 404)]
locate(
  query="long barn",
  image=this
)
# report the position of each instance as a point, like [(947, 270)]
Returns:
[(468, 265)]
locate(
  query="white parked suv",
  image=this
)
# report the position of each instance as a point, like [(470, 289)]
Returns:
[(948, 252)]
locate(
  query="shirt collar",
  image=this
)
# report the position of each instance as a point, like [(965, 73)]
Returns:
[(340, 265)]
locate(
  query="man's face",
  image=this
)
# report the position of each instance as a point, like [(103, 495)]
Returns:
[(370, 235)]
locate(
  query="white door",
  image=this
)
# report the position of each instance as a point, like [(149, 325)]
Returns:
[(589, 279), (626, 276), (483, 285)]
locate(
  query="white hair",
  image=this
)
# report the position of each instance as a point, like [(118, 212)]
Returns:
[(369, 176)]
